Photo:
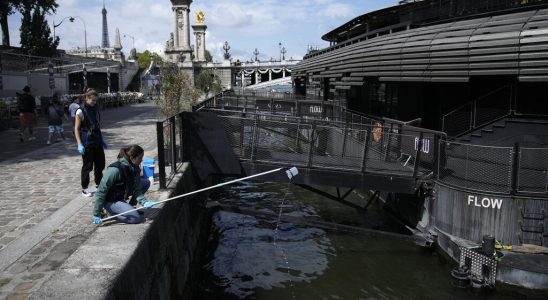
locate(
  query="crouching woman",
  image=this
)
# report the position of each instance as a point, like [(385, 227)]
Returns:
[(121, 181)]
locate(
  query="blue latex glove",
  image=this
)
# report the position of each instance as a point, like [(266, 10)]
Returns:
[(81, 149), (96, 220), (105, 145), (149, 204)]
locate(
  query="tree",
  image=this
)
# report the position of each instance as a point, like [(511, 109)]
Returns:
[(8, 7), (208, 56), (35, 33), (208, 82), (143, 59), (177, 91)]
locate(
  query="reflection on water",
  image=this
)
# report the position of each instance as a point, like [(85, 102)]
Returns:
[(249, 259)]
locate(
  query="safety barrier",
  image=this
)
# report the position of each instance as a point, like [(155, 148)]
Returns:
[(169, 137), (508, 170)]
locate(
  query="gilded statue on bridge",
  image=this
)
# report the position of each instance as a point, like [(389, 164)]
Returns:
[(200, 17)]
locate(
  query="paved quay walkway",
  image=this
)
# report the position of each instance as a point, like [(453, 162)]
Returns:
[(43, 216)]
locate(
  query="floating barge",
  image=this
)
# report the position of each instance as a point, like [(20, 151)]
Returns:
[(477, 71)]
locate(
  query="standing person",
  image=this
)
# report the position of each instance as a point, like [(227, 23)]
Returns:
[(55, 119), (121, 181), (27, 114), (73, 107), (90, 140)]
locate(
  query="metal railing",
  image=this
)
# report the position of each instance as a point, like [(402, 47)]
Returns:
[(361, 143), (110, 99), (169, 137), (506, 170), (478, 113), (263, 94), (316, 143)]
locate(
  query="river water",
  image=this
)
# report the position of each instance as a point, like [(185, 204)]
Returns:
[(261, 258)]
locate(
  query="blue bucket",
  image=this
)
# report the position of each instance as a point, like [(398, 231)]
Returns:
[(148, 168)]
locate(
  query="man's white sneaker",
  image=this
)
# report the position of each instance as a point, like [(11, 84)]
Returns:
[(87, 193)]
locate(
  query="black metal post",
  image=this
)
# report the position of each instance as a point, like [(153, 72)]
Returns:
[(255, 136), (172, 138), (297, 144), (515, 169), (436, 157), (400, 126), (242, 133), (161, 156), (181, 138), (186, 144), (344, 138), (418, 156), (388, 143), (367, 141), (311, 145)]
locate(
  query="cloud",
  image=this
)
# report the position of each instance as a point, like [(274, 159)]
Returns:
[(337, 11), (245, 24)]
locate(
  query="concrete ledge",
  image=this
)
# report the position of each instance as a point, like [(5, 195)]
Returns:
[(152, 260)]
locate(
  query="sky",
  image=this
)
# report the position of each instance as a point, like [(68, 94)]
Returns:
[(244, 24)]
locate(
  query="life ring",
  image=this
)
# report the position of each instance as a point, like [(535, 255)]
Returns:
[(377, 132)]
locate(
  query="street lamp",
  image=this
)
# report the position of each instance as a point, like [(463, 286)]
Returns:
[(57, 25), (71, 19), (132, 39)]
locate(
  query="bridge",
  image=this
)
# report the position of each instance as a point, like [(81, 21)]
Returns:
[(330, 145), (257, 74), (271, 83)]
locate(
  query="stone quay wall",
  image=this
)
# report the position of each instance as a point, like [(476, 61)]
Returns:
[(153, 260)]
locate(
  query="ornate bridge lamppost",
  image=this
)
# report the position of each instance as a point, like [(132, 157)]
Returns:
[(283, 52), (256, 53), (226, 47)]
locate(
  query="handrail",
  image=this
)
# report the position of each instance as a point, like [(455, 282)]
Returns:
[(403, 123), (471, 110), (475, 100)]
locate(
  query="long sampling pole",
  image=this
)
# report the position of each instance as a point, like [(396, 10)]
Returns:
[(290, 174)]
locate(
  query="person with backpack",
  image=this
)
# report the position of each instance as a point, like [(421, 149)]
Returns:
[(122, 181), (26, 105), (73, 107), (91, 144), (55, 119)]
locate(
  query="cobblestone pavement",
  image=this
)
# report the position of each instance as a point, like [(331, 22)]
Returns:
[(38, 184)]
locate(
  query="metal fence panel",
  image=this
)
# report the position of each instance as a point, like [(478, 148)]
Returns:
[(533, 170), (476, 167)]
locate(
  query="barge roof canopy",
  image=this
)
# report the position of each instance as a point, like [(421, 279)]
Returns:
[(417, 13), (510, 42)]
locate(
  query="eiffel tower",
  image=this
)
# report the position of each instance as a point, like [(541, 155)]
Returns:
[(105, 43)]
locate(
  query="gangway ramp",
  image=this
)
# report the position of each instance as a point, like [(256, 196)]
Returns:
[(329, 153)]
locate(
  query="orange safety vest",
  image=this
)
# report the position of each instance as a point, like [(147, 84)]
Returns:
[(377, 132)]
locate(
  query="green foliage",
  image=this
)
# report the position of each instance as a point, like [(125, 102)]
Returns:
[(8, 7), (207, 82), (208, 56), (35, 33), (177, 92), (143, 59), (4, 112)]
